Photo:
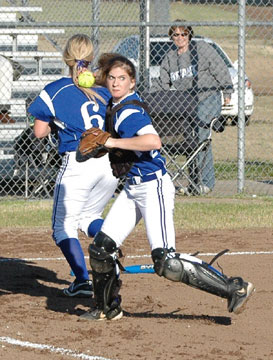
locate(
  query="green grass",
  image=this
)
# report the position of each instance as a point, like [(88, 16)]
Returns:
[(190, 213), (236, 213), (25, 213), (228, 170), (254, 170), (202, 13), (120, 11), (77, 11)]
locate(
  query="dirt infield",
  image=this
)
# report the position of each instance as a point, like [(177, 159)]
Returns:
[(162, 319)]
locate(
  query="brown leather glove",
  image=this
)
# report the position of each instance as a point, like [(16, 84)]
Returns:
[(92, 144)]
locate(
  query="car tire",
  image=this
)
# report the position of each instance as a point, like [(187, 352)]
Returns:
[(234, 120)]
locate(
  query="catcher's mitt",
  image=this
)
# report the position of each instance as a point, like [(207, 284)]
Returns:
[(92, 144), (121, 161)]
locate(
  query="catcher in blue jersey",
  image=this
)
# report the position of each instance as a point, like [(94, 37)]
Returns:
[(149, 194), (82, 189)]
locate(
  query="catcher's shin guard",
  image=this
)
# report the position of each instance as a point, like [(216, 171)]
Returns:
[(194, 272), (106, 283)]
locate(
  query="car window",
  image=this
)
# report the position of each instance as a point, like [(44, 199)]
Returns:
[(158, 50), (128, 47)]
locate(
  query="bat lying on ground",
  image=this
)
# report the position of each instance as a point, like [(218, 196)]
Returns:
[(139, 269), (135, 269)]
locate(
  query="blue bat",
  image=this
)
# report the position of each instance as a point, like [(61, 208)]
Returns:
[(135, 269), (139, 269)]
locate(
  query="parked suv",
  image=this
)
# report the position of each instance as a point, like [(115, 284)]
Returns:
[(159, 46)]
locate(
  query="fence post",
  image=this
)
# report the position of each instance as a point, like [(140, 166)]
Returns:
[(96, 30), (241, 96), (142, 42)]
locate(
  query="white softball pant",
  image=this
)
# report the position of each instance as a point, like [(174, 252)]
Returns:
[(152, 200), (81, 193)]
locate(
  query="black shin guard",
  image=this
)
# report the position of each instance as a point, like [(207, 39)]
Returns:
[(106, 281), (106, 288)]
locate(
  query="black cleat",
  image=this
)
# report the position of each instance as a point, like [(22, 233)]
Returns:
[(237, 301)]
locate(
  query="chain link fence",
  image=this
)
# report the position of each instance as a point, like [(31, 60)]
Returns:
[(33, 34)]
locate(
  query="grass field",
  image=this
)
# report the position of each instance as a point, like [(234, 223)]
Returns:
[(190, 213)]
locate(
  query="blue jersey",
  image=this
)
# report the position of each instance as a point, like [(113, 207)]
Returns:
[(63, 102), (132, 120)]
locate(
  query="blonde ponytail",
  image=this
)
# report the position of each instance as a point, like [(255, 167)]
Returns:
[(77, 55)]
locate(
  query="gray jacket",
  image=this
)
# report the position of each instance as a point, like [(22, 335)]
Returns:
[(199, 70)]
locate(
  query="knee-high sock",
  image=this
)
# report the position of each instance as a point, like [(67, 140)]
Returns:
[(72, 250)]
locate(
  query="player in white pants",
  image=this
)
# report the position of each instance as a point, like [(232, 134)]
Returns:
[(82, 189), (148, 193)]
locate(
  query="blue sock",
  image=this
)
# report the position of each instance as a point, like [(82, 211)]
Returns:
[(72, 250), (94, 227)]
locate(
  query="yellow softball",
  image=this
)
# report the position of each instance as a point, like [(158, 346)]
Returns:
[(86, 79)]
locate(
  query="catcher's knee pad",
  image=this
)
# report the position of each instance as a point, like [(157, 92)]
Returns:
[(102, 253), (170, 268), (106, 283)]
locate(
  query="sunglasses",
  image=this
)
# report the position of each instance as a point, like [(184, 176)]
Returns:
[(185, 34)]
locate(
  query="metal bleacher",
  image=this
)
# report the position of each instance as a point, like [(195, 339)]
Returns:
[(20, 45)]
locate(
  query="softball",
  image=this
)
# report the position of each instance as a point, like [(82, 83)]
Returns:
[(86, 79)]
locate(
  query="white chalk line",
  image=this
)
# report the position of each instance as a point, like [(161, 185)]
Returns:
[(50, 348), (143, 256)]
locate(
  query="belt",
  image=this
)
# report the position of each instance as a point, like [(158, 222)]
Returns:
[(136, 180)]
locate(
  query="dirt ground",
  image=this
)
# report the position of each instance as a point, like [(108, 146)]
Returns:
[(162, 319)]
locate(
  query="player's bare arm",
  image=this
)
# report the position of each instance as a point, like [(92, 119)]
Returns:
[(145, 142), (41, 128)]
